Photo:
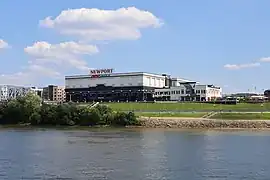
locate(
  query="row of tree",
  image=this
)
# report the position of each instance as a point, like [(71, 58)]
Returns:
[(29, 109)]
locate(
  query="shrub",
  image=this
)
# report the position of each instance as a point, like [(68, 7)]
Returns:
[(35, 118), (28, 109), (90, 117), (125, 119)]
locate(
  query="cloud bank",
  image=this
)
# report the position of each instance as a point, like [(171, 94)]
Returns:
[(80, 25), (97, 24)]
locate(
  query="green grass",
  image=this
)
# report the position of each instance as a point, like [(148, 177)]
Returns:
[(192, 115), (187, 107), (242, 116)]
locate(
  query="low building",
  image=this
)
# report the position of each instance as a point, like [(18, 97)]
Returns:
[(189, 92), (54, 93), (8, 92)]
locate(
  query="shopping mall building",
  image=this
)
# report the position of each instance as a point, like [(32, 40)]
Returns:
[(105, 85)]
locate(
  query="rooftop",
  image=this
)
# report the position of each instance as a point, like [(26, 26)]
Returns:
[(117, 74)]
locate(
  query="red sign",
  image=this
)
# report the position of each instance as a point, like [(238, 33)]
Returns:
[(99, 75), (101, 71)]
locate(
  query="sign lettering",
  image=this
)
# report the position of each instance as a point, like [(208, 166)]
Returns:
[(101, 71)]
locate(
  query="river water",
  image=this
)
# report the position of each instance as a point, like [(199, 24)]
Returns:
[(134, 154)]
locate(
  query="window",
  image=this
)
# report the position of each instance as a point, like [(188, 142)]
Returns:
[(182, 91)]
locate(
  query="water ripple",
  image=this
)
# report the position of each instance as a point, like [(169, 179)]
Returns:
[(133, 155)]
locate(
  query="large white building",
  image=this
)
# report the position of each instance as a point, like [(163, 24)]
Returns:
[(107, 86), (104, 85)]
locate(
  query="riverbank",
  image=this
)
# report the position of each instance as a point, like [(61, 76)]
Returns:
[(162, 122), (199, 123)]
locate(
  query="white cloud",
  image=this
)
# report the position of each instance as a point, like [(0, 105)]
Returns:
[(265, 59), (96, 24), (65, 54), (50, 61), (241, 66), (3, 44), (29, 76)]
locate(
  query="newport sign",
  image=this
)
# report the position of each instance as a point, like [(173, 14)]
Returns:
[(101, 71)]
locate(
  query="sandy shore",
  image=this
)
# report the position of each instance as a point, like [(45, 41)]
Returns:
[(178, 122)]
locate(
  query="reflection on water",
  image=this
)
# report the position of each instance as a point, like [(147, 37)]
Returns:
[(134, 155)]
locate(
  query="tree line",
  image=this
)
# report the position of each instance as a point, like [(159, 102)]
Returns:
[(29, 109)]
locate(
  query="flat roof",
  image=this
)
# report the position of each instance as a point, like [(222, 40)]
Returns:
[(118, 75)]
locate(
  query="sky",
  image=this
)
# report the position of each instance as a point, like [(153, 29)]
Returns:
[(225, 43)]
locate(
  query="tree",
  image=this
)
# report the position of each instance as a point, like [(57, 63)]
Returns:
[(90, 117), (48, 114), (28, 109)]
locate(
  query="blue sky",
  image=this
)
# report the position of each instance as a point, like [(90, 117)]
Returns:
[(219, 42)]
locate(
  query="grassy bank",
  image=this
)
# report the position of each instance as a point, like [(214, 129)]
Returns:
[(242, 116), (187, 107), (193, 115)]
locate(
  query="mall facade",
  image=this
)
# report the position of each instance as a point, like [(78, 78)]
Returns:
[(107, 86)]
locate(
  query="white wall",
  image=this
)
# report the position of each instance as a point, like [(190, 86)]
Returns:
[(176, 93), (153, 81), (107, 81), (138, 80)]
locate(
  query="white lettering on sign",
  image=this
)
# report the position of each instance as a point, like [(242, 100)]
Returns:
[(101, 71)]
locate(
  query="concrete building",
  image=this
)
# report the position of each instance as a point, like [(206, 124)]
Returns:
[(190, 92), (104, 85), (8, 92), (54, 93)]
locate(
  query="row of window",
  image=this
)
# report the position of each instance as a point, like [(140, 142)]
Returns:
[(182, 91), (81, 86)]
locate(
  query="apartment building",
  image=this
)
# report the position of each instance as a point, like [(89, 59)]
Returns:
[(54, 93)]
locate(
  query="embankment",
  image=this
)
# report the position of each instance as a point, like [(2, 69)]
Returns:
[(175, 122)]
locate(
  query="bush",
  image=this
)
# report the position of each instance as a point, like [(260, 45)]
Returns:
[(125, 119), (90, 117), (35, 118), (28, 109)]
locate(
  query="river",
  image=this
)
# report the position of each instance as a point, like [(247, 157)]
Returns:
[(132, 154)]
